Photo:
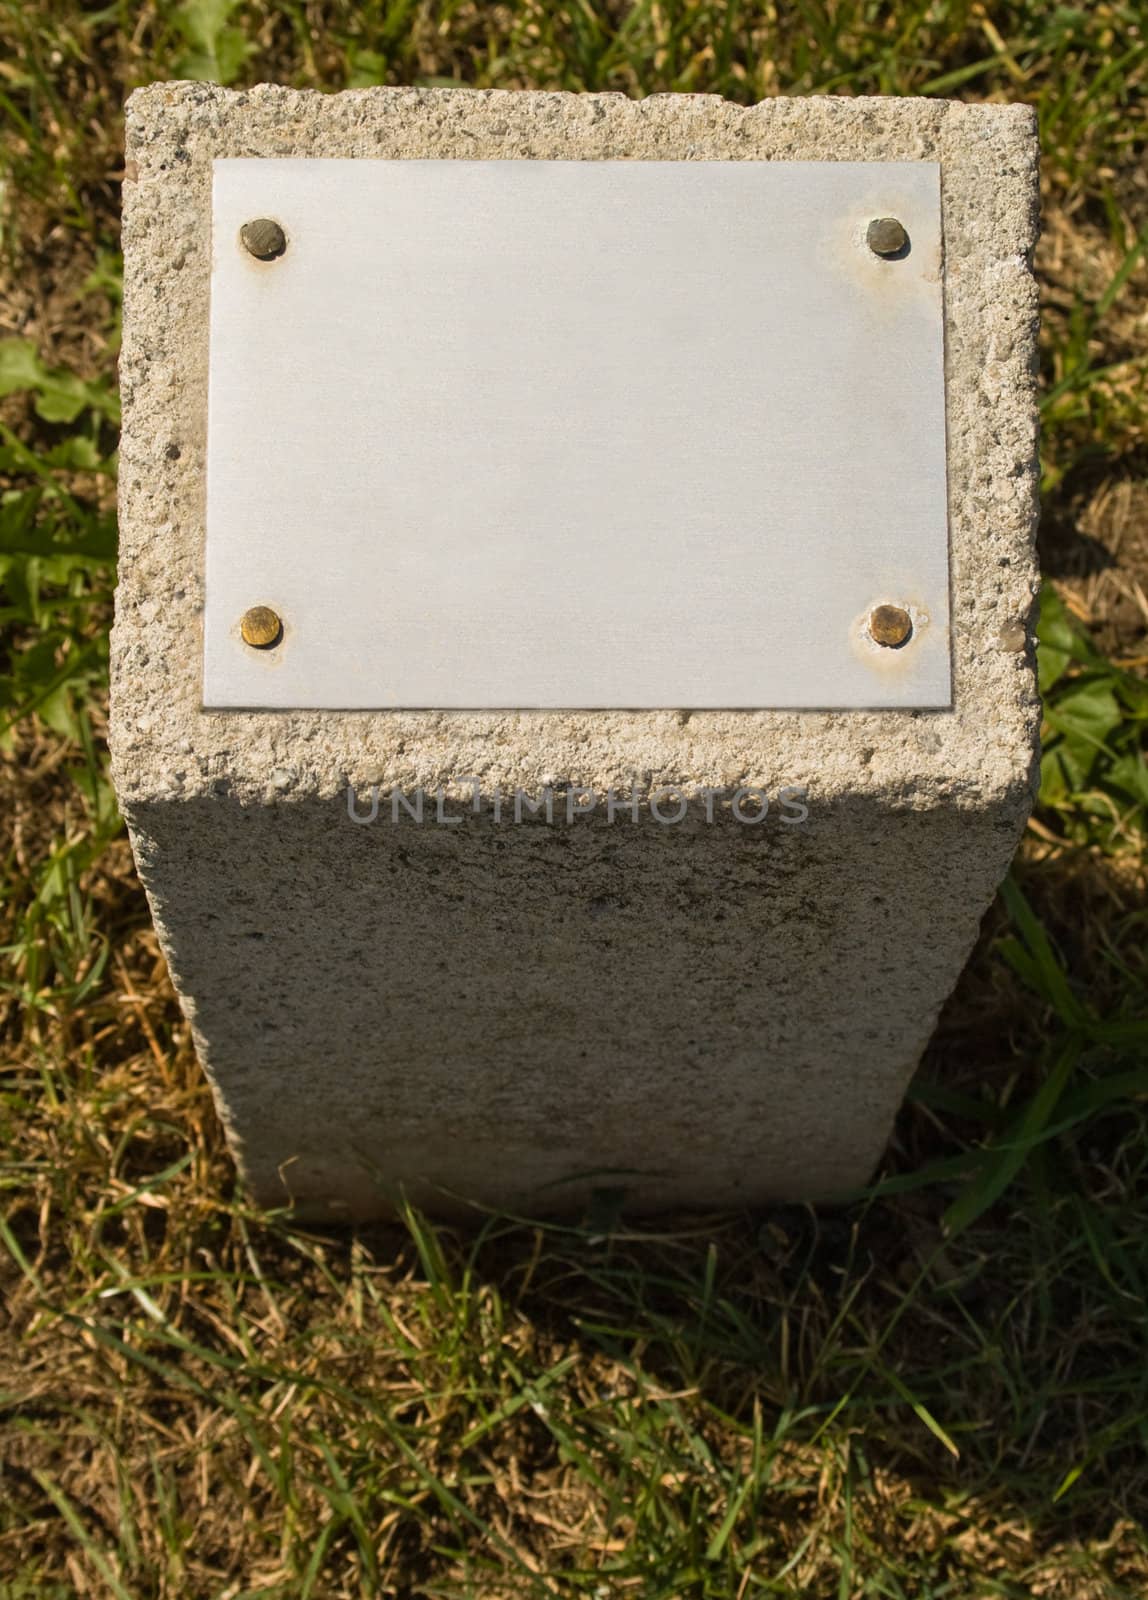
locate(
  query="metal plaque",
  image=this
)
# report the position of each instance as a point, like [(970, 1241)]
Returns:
[(525, 434)]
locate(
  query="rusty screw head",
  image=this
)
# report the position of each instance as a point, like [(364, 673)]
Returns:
[(1013, 636), (261, 627), (263, 238), (890, 625), (886, 237)]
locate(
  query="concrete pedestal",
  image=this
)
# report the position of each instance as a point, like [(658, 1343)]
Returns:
[(672, 998)]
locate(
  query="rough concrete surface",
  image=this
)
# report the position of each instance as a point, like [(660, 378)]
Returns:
[(700, 1013)]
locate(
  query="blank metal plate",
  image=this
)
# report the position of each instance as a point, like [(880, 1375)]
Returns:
[(576, 434)]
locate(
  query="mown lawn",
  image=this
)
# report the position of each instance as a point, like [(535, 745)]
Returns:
[(942, 1391)]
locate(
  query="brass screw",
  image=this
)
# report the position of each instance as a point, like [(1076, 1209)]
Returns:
[(261, 627), (890, 625), (886, 237), (263, 238)]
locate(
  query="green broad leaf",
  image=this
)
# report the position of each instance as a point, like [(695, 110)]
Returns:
[(1055, 640), (1085, 716), (1129, 775), (1055, 788), (1091, 711), (216, 51), (202, 21), (37, 664), (20, 366), (58, 711), (60, 396), (231, 51), (77, 453), (1076, 763), (196, 65), (60, 403), (368, 69)]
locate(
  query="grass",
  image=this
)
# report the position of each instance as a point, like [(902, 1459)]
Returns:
[(938, 1392)]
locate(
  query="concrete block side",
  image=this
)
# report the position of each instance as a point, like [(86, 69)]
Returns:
[(712, 1013)]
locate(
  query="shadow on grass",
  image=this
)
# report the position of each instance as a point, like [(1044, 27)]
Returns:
[(790, 1400)]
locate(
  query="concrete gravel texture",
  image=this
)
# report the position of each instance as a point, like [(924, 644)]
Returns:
[(516, 1015)]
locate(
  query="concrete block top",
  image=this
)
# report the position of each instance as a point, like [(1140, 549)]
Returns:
[(978, 752)]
